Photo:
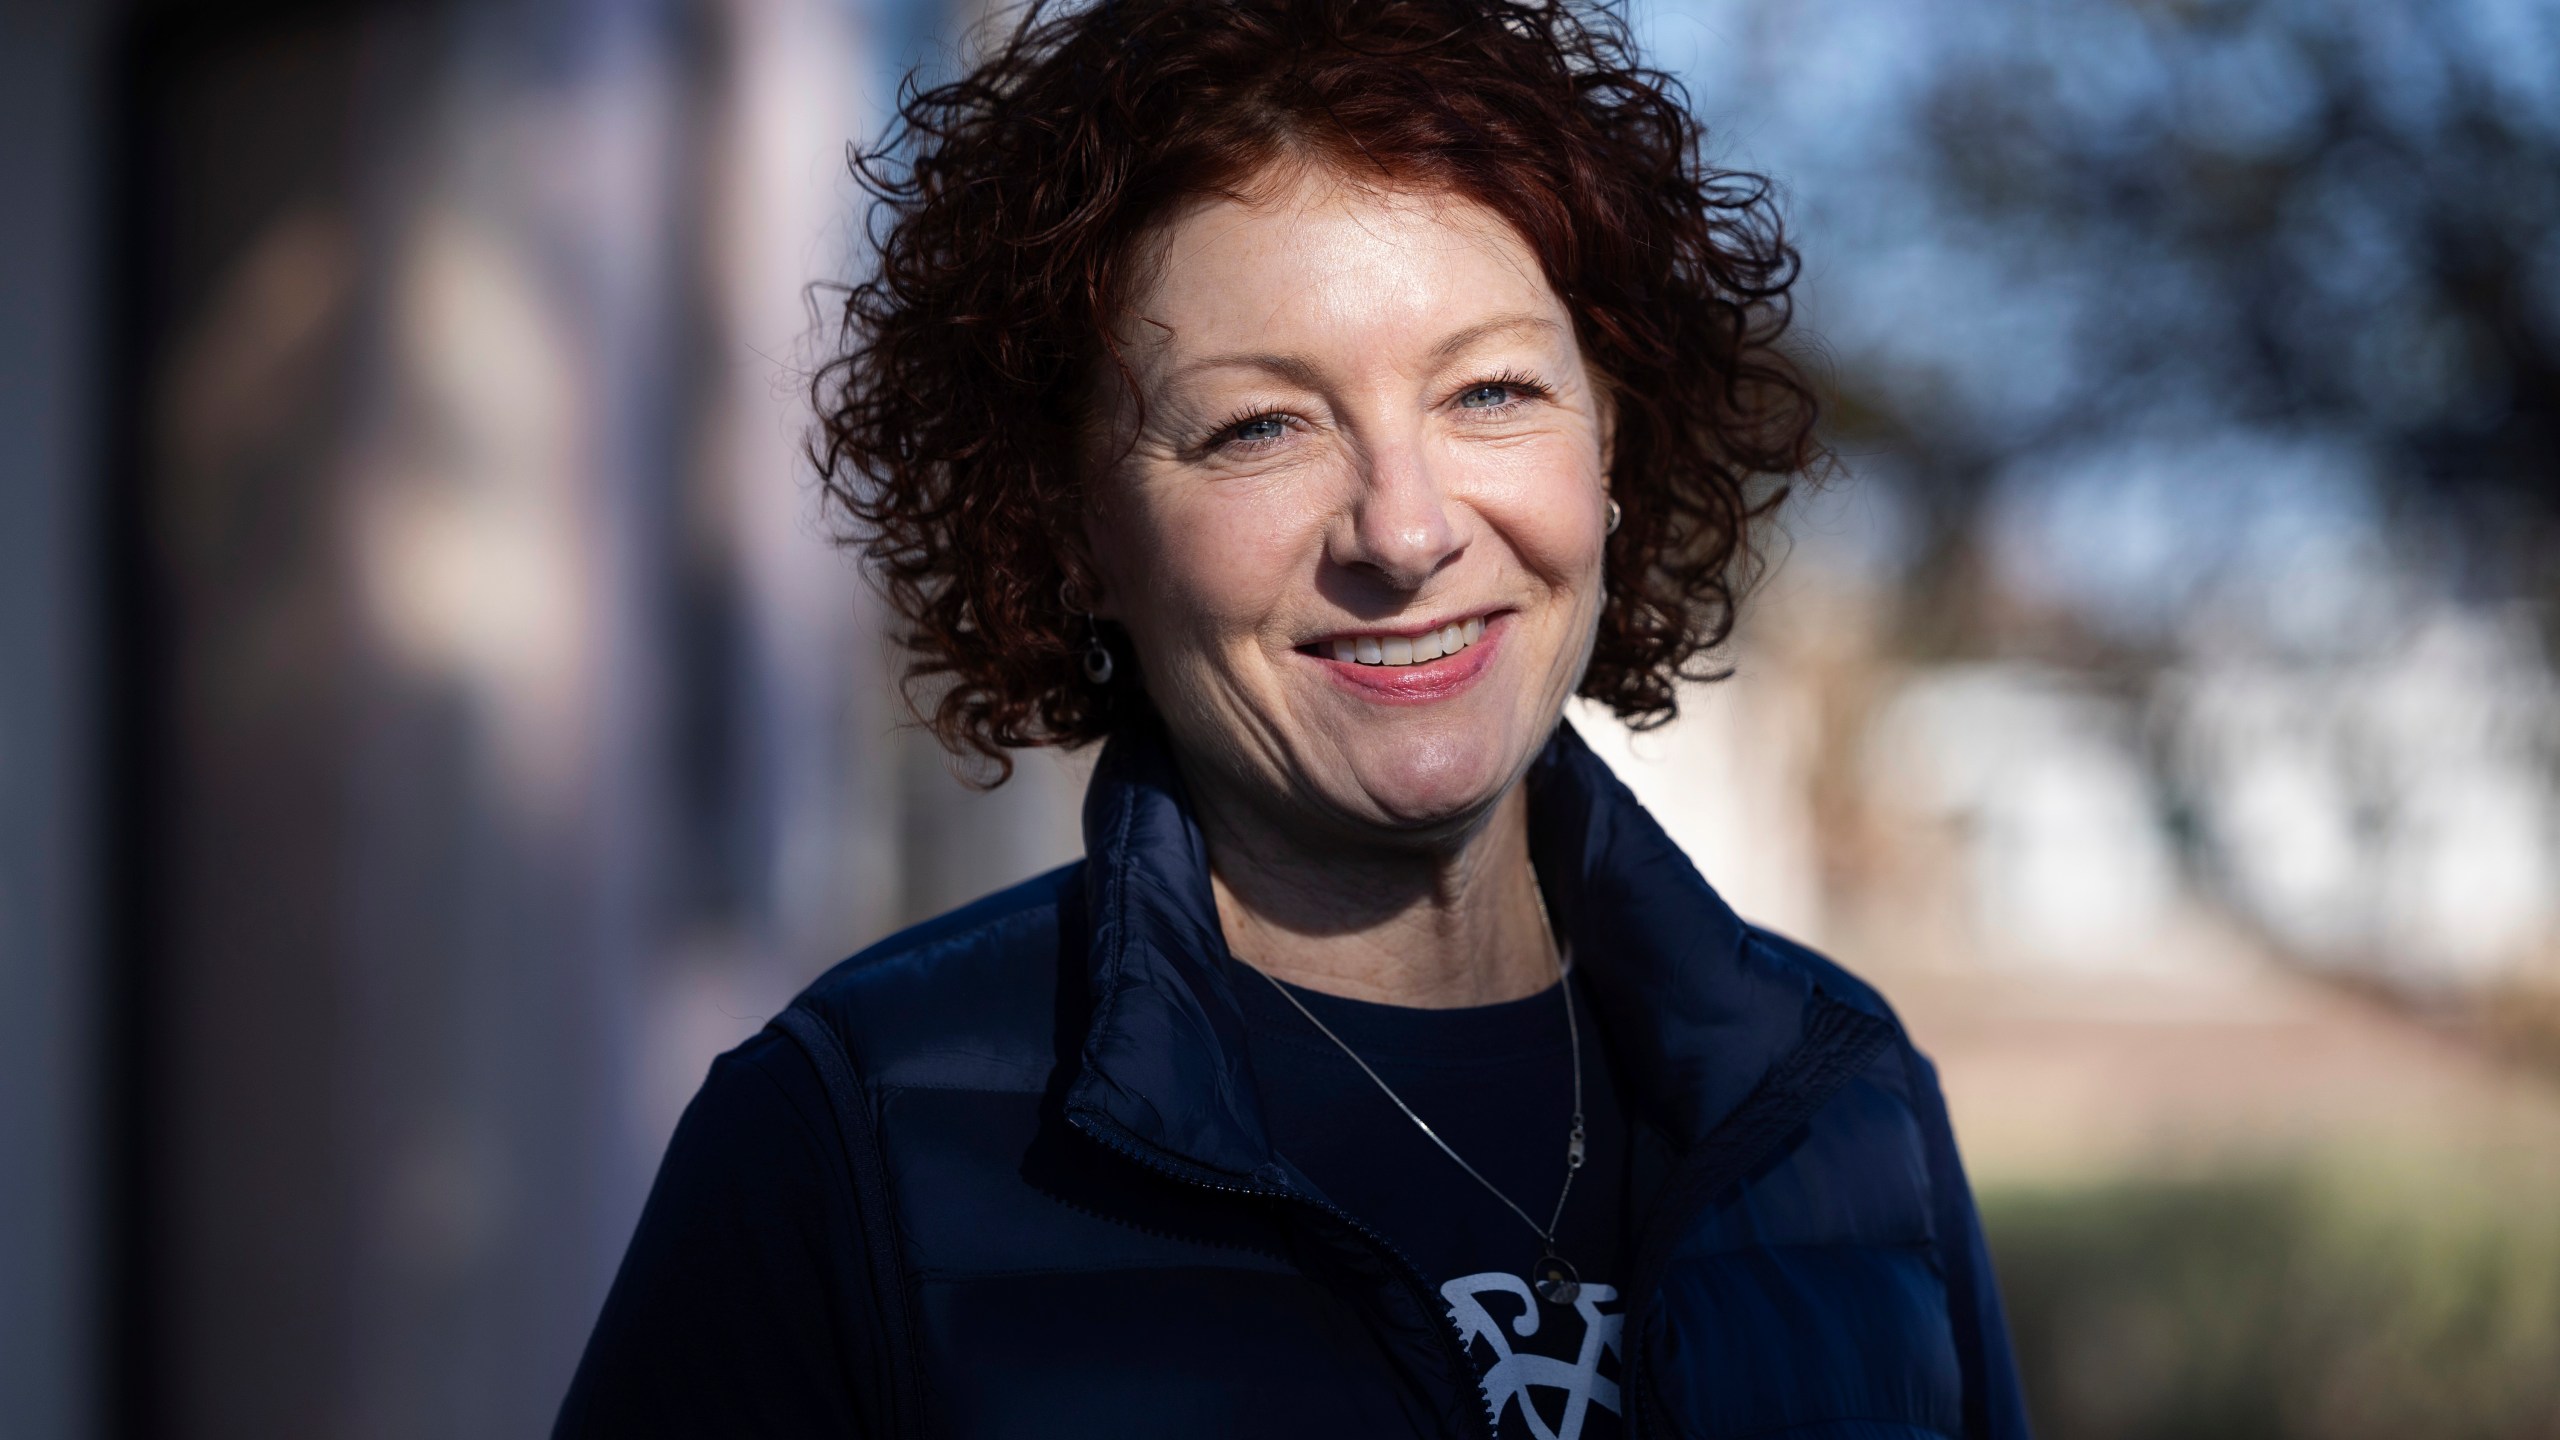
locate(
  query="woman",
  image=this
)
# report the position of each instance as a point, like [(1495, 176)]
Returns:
[(1307, 397)]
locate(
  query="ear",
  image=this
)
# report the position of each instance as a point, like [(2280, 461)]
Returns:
[(1089, 588), (1092, 555), (1604, 413)]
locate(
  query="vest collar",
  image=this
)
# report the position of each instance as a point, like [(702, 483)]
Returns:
[(1694, 1015)]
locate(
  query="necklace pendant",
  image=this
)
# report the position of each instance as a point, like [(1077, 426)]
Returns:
[(1556, 1281)]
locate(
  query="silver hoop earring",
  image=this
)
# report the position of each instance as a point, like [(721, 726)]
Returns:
[(1615, 515), (1097, 656)]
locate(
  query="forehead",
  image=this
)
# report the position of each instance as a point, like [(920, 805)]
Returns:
[(1307, 255)]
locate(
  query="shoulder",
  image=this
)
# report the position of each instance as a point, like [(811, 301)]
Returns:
[(1900, 1066), (1811, 967), (967, 1000), (723, 1315)]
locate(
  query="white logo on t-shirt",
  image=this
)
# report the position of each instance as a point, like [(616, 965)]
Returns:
[(1514, 1372)]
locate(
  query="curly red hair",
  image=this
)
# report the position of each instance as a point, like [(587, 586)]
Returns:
[(952, 418)]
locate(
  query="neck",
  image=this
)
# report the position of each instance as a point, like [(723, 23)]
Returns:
[(1437, 927)]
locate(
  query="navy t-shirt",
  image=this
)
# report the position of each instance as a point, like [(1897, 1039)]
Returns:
[(1495, 1082)]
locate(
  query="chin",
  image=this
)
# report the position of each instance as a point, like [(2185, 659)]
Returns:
[(1432, 784)]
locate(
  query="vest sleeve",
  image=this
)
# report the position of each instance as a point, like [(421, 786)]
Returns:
[(1994, 1406), (736, 1304)]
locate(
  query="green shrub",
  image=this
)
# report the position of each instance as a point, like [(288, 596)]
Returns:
[(2308, 1302)]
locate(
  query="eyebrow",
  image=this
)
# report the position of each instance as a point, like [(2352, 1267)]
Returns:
[(1301, 372), (1487, 329), (1295, 370)]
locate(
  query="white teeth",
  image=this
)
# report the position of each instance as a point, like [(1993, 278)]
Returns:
[(1402, 650)]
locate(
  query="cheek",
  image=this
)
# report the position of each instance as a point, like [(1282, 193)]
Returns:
[(1568, 549), (1546, 504), (1199, 573)]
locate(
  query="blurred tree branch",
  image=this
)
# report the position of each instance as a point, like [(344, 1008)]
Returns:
[(2309, 218)]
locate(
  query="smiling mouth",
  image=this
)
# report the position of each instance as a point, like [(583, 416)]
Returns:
[(1388, 651)]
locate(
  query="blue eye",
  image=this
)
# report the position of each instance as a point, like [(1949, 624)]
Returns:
[(1258, 429), (1486, 397)]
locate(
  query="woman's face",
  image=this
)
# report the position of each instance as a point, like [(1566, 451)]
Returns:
[(1356, 534)]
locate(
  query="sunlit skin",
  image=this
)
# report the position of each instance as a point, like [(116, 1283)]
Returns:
[(1364, 414)]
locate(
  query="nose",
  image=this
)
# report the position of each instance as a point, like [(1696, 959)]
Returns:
[(1401, 528)]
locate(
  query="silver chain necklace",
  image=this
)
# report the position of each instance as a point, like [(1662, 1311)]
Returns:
[(1556, 1280)]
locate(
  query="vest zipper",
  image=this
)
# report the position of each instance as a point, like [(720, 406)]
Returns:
[(1405, 1269)]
